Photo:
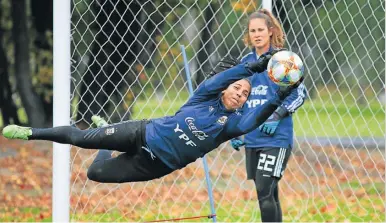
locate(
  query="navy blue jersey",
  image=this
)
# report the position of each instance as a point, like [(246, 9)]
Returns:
[(203, 123), (262, 90)]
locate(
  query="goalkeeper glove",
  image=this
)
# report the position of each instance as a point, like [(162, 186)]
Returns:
[(269, 127), (236, 143), (224, 64), (283, 92), (261, 64)]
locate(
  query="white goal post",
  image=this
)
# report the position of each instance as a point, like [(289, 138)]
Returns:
[(61, 111)]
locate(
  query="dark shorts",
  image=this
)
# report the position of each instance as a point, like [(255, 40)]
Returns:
[(144, 165), (132, 133), (136, 163), (266, 162)]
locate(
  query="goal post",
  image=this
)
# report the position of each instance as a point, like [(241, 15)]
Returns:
[(267, 4), (61, 109)]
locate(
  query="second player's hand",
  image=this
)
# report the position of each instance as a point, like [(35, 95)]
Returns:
[(269, 127), (236, 143)]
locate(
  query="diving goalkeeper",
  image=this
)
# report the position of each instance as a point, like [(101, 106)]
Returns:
[(154, 148)]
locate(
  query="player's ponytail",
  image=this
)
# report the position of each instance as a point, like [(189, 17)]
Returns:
[(277, 38)]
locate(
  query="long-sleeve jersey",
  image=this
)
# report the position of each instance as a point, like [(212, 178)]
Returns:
[(203, 123), (262, 90)]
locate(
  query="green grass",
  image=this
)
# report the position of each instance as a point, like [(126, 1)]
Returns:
[(370, 188), (333, 208), (316, 119), (24, 214), (306, 210), (154, 108)]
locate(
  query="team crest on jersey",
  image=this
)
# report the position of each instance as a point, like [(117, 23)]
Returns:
[(222, 120), (211, 108), (110, 131)]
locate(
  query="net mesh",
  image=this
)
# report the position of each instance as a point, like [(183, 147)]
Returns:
[(127, 64)]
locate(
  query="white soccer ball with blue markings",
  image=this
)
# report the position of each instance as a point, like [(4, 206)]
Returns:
[(285, 68)]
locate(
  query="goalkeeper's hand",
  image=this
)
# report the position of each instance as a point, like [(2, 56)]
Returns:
[(261, 64), (269, 127), (283, 92), (224, 64), (236, 143)]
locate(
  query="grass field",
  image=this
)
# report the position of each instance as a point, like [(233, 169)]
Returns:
[(311, 210), (316, 212)]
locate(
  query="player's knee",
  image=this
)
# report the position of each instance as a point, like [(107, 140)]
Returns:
[(267, 203), (263, 187), (94, 173), (266, 193), (267, 186)]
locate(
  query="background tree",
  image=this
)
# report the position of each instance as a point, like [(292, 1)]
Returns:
[(7, 106), (31, 102)]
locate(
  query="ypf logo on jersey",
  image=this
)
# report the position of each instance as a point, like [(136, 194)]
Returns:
[(222, 120), (183, 136), (255, 102)]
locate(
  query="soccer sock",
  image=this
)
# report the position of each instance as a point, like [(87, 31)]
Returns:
[(266, 192), (69, 135), (56, 134), (87, 139), (268, 209), (279, 216)]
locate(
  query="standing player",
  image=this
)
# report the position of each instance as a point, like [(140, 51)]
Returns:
[(268, 147), (155, 148)]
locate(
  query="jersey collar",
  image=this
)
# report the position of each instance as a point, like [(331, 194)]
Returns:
[(257, 56)]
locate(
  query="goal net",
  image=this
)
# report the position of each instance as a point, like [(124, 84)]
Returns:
[(127, 64)]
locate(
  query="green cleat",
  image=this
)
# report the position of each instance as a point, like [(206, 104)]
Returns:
[(99, 121), (17, 132)]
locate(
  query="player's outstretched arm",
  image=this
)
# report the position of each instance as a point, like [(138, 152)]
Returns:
[(292, 102), (258, 116), (222, 80)]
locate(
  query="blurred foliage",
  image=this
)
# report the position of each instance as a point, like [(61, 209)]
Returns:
[(42, 68), (341, 41), (245, 6), (41, 60)]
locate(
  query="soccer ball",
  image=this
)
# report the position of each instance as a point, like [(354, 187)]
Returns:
[(285, 68)]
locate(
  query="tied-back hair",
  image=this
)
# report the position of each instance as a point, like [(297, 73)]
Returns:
[(277, 38)]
